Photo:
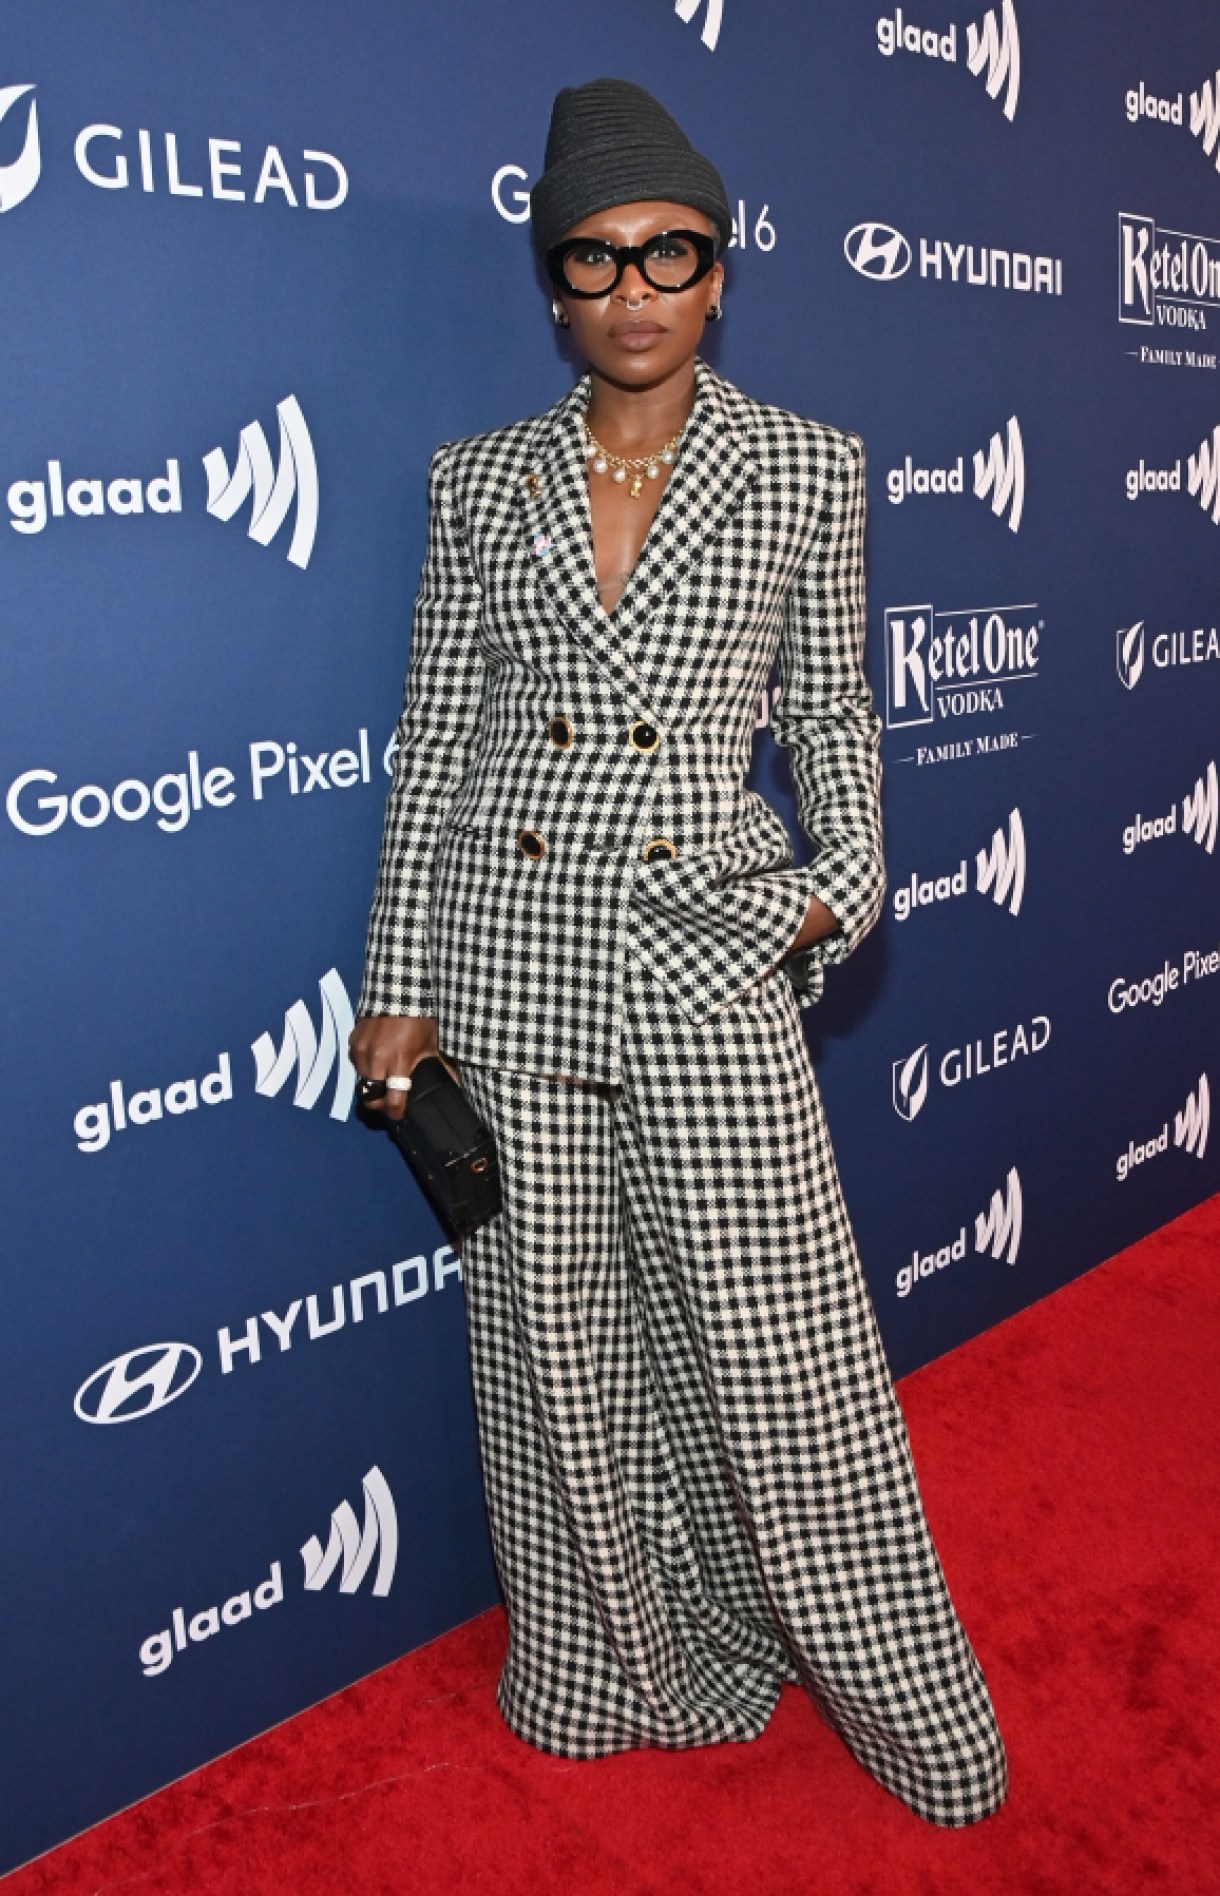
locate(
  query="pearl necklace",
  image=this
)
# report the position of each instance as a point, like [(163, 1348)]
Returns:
[(600, 459)]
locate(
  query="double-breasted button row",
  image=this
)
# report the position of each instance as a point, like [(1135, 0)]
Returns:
[(641, 735), (531, 845)]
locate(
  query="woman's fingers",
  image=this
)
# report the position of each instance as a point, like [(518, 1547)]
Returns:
[(385, 1047)]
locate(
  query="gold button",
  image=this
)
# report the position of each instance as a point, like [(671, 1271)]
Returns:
[(531, 844), (560, 732), (660, 849), (643, 736)]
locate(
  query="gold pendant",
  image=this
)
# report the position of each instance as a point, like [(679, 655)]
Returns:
[(637, 487)]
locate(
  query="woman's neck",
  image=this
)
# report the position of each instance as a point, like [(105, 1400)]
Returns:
[(635, 420)]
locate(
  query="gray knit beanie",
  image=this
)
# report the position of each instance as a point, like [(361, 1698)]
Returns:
[(611, 143)]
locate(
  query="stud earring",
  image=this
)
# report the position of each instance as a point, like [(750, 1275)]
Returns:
[(560, 316)]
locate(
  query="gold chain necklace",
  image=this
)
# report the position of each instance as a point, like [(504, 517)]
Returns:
[(640, 467)]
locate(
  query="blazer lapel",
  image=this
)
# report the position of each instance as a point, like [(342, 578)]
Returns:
[(554, 501), (713, 472)]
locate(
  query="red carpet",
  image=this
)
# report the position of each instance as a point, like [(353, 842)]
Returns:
[(1068, 1459)]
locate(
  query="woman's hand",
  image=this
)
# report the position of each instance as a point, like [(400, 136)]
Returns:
[(385, 1044), (818, 923)]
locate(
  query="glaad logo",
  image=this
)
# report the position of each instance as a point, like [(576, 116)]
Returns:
[(1169, 649), (18, 179), (997, 1230), (1190, 1126), (351, 1548), (1204, 112), (1190, 1130), (1199, 818), (993, 50), (1199, 810), (880, 252), (999, 872), (274, 488), (314, 1056), (999, 475), (347, 1545), (1000, 472), (912, 1076), (32, 503), (1202, 477), (686, 11), (1205, 117), (95, 1124), (137, 1383)]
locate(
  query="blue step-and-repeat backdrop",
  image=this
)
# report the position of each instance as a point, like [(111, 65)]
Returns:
[(256, 262)]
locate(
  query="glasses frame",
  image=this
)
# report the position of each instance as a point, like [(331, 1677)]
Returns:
[(705, 249)]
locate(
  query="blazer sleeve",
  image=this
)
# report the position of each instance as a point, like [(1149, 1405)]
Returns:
[(826, 720), (435, 737)]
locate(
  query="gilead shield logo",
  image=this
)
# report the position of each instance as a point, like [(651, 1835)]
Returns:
[(18, 178)]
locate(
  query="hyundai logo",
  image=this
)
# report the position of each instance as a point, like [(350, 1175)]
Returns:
[(137, 1383), (878, 251)]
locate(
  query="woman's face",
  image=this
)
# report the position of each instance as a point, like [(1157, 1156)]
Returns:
[(641, 345)]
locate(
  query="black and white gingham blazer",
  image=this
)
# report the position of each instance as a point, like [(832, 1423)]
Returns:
[(755, 553)]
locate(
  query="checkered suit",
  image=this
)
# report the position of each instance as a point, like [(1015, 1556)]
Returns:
[(698, 1476), (755, 552)]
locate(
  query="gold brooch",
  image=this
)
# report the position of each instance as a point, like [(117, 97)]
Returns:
[(532, 484)]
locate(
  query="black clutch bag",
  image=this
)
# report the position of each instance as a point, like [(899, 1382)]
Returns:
[(447, 1146)]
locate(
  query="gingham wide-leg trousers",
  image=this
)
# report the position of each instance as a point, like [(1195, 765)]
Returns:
[(698, 1475)]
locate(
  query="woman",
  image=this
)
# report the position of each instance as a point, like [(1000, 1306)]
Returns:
[(697, 1472)]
